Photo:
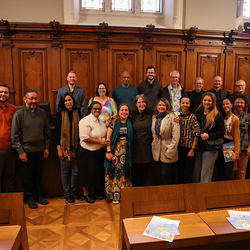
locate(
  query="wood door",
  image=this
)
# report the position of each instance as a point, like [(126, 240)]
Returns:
[(210, 63), (84, 61), (6, 69), (125, 58), (167, 60), (30, 70)]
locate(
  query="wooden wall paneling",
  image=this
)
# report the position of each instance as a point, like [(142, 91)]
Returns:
[(102, 75), (54, 75), (242, 67), (229, 78), (167, 60), (210, 63), (191, 68), (149, 60), (126, 58), (30, 70), (6, 69), (84, 61)]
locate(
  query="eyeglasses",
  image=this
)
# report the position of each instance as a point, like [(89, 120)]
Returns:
[(97, 109), (174, 77), (31, 99), (240, 85)]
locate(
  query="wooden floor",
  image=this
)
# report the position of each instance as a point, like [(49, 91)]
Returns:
[(80, 226)]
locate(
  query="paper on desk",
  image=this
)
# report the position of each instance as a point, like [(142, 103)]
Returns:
[(233, 213), (240, 222), (163, 229)]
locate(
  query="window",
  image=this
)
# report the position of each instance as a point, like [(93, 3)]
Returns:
[(122, 5), (92, 4), (147, 6), (246, 9), (150, 6)]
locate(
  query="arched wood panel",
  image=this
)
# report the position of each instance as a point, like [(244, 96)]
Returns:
[(169, 59), (125, 59), (243, 67), (30, 70), (210, 63)]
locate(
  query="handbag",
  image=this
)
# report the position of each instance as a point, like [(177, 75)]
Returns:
[(215, 144), (212, 144)]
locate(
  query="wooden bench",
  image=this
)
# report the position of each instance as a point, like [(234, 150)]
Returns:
[(183, 198), (12, 213)]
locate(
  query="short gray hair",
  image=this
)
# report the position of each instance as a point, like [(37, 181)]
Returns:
[(175, 71), (198, 78)]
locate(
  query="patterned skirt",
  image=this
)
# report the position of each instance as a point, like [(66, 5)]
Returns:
[(116, 178)]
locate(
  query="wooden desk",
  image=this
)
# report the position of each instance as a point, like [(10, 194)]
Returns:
[(10, 238), (226, 236), (194, 232)]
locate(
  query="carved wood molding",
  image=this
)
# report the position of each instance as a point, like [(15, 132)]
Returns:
[(147, 47), (102, 46), (190, 50), (7, 45), (56, 45), (192, 34)]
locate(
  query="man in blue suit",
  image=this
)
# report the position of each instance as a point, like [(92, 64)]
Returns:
[(78, 93)]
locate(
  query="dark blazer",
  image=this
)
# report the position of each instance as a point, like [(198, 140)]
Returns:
[(224, 94)]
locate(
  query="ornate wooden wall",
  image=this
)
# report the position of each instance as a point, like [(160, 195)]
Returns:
[(40, 55)]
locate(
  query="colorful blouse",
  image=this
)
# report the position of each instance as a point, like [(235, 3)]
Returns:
[(109, 108)]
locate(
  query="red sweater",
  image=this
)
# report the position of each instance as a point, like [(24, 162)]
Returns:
[(6, 115)]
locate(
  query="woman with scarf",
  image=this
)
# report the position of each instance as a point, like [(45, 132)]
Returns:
[(67, 120), (92, 133), (166, 135), (118, 160)]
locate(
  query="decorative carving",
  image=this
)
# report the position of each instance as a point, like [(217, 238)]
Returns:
[(28, 55), (56, 45), (5, 29), (54, 23), (104, 25), (228, 50), (79, 55), (147, 47), (150, 26), (171, 58), (102, 46), (190, 50), (7, 45), (192, 34)]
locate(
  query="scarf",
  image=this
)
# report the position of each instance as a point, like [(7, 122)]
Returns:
[(69, 147), (158, 121), (128, 161)]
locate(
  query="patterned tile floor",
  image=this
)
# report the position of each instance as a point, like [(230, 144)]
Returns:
[(69, 227)]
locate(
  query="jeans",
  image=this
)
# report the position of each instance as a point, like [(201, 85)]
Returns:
[(165, 172), (8, 158), (69, 183), (32, 175), (204, 165)]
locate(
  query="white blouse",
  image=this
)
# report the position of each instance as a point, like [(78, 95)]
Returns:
[(90, 126)]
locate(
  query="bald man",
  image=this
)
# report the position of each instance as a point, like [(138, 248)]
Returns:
[(125, 93)]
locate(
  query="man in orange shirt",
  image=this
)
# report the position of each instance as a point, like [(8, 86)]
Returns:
[(7, 153)]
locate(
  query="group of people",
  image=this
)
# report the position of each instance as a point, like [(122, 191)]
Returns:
[(111, 144)]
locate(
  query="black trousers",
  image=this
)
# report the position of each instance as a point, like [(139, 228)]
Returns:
[(32, 175), (185, 166), (140, 174)]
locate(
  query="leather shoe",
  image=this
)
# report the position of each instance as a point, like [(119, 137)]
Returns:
[(76, 196), (88, 198), (32, 204), (42, 201), (96, 197), (70, 200)]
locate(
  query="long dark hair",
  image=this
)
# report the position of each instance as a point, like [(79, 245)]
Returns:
[(61, 105), (101, 83)]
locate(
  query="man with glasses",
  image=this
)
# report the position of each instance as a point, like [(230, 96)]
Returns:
[(196, 95), (30, 136), (174, 92), (240, 89), (150, 87)]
